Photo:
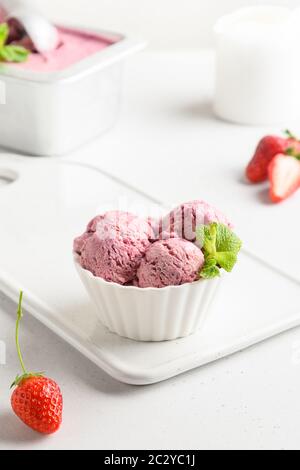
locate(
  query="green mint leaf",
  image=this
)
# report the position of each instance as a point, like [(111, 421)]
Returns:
[(226, 260), (220, 246), (4, 32), (210, 270), (14, 54), (205, 238), (226, 240), (10, 53)]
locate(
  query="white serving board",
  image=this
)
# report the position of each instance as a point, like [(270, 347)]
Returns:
[(47, 206)]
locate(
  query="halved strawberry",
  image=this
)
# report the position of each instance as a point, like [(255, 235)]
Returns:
[(284, 174), (268, 148)]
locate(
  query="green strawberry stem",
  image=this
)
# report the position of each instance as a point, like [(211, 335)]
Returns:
[(291, 152), (25, 375), (19, 317), (290, 135)]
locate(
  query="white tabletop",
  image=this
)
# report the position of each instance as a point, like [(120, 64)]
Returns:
[(247, 401)]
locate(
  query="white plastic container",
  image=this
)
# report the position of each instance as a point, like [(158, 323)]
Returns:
[(150, 314), (257, 66), (54, 113)]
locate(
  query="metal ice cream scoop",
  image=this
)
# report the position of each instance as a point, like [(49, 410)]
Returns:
[(42, 32)]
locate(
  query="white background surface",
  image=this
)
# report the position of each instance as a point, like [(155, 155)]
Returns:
[(167, 24), (248, 401)]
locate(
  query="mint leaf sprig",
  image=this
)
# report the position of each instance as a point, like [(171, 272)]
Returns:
[(220, 246), (10, 52)]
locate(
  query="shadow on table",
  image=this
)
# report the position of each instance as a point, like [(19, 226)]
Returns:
[(264, 197), (199, 110), (11, 431)]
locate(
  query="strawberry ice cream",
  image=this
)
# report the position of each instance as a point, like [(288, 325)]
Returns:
[(184, 220), (75, 46), (113, 246), (170, 263), (126, 249), (167, 285)]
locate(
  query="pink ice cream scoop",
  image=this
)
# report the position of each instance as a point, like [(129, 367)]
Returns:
[(184, 220), (159, 234), (170, 263), (113, 246)]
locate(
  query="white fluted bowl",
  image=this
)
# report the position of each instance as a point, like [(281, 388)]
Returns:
[(150, 314)]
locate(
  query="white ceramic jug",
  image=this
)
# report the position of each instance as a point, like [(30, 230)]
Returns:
[(258, 65)]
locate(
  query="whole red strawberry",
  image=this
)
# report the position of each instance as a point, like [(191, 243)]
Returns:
[(37, 400), (268, 148)]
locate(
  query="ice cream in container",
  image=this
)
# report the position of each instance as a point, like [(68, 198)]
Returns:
[(66, 94), (147, 281)]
